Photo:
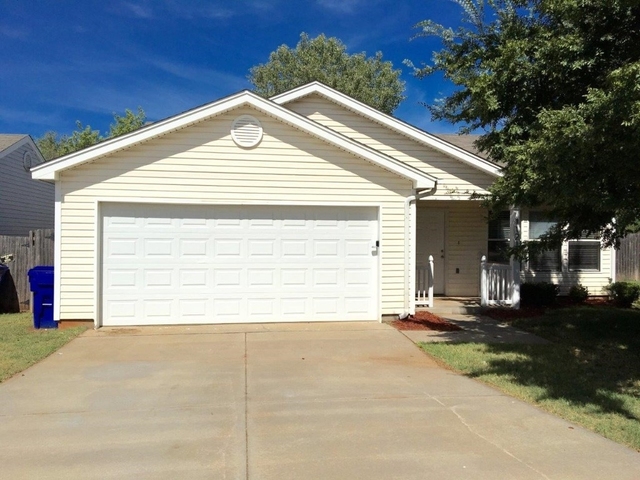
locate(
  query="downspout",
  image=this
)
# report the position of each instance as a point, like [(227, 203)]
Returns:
[(410, 248)]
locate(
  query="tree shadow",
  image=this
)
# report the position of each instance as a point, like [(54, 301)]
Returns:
[(594, 363)]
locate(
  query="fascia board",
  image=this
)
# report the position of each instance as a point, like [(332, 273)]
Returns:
[(419, 178), (390, 122), (16, 145), (49, 170)]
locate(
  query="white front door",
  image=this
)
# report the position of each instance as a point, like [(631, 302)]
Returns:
[(171, 264), (430, 241)]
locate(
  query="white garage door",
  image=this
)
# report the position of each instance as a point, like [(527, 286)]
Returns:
[(170, 264)]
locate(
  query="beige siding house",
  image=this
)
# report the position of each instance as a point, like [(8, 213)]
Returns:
[(309, 206), (25, 204)]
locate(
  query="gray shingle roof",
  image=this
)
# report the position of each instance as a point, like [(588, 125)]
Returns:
[(466, 142), (6, 140)]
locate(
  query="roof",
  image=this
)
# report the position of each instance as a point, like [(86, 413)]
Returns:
[(12, 142), (7, 140), (469, 156), (466, 142), (50, 170)]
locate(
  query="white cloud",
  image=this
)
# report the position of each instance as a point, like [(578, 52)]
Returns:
[(13, 32), (341, 6), (138, 10)]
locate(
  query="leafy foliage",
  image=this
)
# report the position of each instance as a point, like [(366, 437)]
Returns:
[(52, 145), (555, 87), (624, 293), (578, 293), (370, 80), (538, 294)]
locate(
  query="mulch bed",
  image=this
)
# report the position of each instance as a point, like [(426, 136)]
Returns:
[(504, 314), (425, 321)]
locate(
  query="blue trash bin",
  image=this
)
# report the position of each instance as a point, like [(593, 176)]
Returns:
[(41, 284)]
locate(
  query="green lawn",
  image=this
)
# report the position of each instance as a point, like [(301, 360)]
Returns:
[(590, 375), (21, 346)]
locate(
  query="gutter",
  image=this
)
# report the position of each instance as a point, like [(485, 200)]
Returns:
[(410, 248)]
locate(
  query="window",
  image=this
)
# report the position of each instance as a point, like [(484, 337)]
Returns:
[(549, 260), (499, 235), (584, 253)]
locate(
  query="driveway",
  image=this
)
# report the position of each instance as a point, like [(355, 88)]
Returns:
[(296, 401)]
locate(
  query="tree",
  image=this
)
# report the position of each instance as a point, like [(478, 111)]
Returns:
[(128, 123), (555, 87), (52, 145), (370, 80)]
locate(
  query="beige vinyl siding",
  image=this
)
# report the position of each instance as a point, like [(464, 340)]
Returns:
[(465, 244), (456, 179), (594, 281), (25, 204), (201, 164)]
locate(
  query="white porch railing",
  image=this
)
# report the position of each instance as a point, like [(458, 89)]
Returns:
[(424, 284), (497, 284)]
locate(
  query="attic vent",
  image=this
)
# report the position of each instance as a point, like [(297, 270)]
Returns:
[(27, 161), (246, 131)]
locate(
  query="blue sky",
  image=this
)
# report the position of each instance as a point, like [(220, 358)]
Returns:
[(62, 61)]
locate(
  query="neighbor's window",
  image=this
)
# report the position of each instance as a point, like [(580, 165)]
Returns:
[(549, 260), (499, 235), (584, 253)]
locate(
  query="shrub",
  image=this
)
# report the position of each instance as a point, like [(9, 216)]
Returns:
[(623, 293), (538, 294), (578, 293)]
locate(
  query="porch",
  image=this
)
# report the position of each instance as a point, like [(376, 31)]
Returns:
[(454, 239), (499, 284)]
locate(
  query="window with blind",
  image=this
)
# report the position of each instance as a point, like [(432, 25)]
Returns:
[(548, 260), (499, 235), (584, 253)]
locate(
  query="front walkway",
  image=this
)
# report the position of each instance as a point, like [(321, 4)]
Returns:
[(475, 329), (312, 401)]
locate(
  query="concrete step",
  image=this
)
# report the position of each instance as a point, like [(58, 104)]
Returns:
[(451, 306)]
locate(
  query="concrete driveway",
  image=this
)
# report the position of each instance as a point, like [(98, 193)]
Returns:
[(305, 401)]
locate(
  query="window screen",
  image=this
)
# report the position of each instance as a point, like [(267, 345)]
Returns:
[(549, 260), (584, 255), (499, 235)]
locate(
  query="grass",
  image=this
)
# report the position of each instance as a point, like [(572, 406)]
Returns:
[(21, 346), (590, 375)]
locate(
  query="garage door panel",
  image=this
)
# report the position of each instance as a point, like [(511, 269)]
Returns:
[(166, 264)]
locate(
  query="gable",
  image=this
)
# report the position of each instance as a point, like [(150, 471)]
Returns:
[(456, 179), (52, 169), (203, 158)]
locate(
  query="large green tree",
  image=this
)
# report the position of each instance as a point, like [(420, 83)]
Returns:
[(368, 79), (554, 85), (52, 145)]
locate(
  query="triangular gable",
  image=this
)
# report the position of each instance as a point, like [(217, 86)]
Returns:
[(10, 143), (390, 122), (49, 170)]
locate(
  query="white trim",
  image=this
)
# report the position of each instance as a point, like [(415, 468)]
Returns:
[(379, 265), (97, 265), (98, 222), (389, 122), (57, 252), (49, 170), (413, 237), (26, 140)]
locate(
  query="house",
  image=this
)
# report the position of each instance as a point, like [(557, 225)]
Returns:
[(309, 206), (24, 203)]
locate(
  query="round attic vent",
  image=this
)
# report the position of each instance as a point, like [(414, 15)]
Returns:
[(27, 161), (246, 131)]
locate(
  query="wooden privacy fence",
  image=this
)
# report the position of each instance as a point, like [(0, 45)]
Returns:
[(628, 258), (28, 252)]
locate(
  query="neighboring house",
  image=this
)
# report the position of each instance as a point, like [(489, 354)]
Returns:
[(25, 204), (309, 206)]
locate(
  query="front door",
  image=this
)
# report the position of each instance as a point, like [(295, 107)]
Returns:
[(430, 241)]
